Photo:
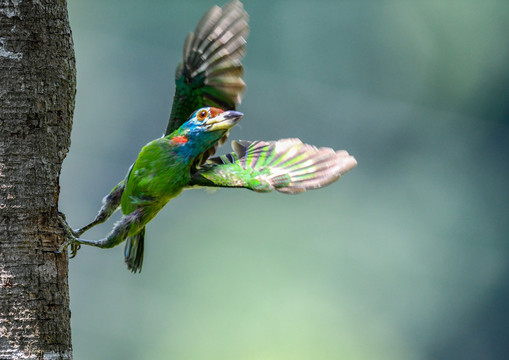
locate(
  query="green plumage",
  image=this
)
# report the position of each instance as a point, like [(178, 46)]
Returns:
[(287, 165), (148, 190), (209, 79), (147, 184)]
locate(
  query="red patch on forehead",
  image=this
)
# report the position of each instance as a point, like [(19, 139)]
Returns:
[(215, 111), (179, 140)]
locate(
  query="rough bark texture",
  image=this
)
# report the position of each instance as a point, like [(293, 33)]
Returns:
[(37, 88)]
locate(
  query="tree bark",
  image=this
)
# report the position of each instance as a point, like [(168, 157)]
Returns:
[(37, 89)]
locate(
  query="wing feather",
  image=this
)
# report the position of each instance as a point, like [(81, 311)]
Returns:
[(287, 165), (210, 73)]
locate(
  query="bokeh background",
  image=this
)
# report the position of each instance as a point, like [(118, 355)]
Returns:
[(406, 257)]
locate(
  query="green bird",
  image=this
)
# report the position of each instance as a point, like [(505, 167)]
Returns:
[(208, 78)]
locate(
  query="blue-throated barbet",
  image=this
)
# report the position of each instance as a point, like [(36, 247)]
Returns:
[(209, 79)]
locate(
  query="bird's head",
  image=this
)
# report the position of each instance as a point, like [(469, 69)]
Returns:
[(211, 119), (204, 128)]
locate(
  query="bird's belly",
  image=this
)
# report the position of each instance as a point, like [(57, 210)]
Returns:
[(152, 194)]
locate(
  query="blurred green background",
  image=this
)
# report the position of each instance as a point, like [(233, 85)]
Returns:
[(406, 257)]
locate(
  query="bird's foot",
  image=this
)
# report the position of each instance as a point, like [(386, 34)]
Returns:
[(71, 237)]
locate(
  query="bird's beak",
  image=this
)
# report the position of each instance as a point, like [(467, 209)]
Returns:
[(224, 121)]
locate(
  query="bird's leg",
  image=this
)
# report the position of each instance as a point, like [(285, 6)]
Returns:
[(111, 203), (128, 224)]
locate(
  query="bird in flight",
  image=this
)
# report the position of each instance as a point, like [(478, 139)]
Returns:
[(208, 89)]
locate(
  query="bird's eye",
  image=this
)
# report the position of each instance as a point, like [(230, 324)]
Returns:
[(202, 115)]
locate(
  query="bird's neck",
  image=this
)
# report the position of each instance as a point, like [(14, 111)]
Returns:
[(189, 147)]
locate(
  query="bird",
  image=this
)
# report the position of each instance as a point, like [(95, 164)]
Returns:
[(208, 86)]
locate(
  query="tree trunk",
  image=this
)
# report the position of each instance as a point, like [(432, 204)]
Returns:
[(37, 88)]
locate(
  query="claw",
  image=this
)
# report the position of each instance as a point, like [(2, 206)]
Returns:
[(74, 249), (72, 237)]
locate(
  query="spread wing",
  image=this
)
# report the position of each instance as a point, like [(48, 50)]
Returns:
[(287, 165), (210, 73)]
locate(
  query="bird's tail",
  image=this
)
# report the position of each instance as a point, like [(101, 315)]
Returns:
[(134, 251)]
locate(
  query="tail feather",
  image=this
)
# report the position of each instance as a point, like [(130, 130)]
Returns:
[(133, 253)]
